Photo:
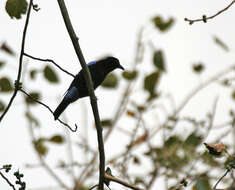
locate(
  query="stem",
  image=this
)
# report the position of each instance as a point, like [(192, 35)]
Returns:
[(89, 84)]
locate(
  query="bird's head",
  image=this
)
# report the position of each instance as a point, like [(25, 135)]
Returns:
[(111, 63)]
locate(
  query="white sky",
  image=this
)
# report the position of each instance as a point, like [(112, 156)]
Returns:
[(110, 27)]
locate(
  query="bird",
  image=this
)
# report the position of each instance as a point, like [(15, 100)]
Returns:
[(99, 70)]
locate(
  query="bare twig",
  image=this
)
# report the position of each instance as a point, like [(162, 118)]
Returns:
[(205, 18), (46, 106), (91, 93), (227, 171), (49, 60), (114, 179), (20, 62), (9, 183)]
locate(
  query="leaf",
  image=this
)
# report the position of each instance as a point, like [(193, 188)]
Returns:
[(215, 149), (106, 123), (162, 25), (33, 73), (58, 139), (50, 74), (111, 81), (5, 85), (151, 81), (129, 75), (198, 68), (7, 49), (34, 95), (31, 118), (15, 8), (193, 140), (221, 43), (131, 113), (158, 60), (2, 106), (40, 146), (233, 95), (2, 63)]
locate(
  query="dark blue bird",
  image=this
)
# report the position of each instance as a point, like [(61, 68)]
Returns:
[(78, 89)]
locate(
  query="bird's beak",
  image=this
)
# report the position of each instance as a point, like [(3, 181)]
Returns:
[(121, 67)]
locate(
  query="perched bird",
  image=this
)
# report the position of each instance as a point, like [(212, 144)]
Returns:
[(78, 89)]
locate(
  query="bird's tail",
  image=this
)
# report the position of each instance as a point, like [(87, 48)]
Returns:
[(61, 107)]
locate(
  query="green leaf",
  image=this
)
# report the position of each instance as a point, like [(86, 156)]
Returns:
[(58, 139), (2, 106), (162, 25), (31, 118), (193, 140), (7, 49), (33, 73), (233, 95), (111, 81), (15, 8), (221, 43), (5, 85), (129, 75), (151, 81), (202, 183), (158, 60), (34, 95), (50, 74), (2, 63), (40, 146), (198, 68)]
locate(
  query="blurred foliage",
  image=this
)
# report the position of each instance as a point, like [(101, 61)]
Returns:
[(50, 74), (220, 43), (2, 63), (15, 8), (7, 49), (111, 81), (162, 25), (158, 60), (198, 68), (130, 75), (34, 95), (2, 106), (5, 85)]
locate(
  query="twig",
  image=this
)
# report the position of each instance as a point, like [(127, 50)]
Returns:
[(205, 18), (20, 63), (89, 85), (227, 171), (114, 179), (46, 106), (49, 60), (9, 183)]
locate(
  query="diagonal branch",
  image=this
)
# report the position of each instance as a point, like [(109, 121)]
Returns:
[(46, 106), (17, 83), (89, 84), (49, 60)]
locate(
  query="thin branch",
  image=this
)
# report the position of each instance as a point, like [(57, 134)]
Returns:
[(205, 18), (114, 179), (17, 83), (91, 93), (46, 106), (227, 171), (49, 60), (9, 183)]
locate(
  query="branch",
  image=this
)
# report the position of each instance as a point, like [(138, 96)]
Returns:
[(20, 62), (49, 60), (9, 183), (89, 84), (227, 171), (46, 106), (205, 18), (114, 179)]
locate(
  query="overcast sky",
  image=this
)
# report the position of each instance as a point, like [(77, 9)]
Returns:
[(111, 27)]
